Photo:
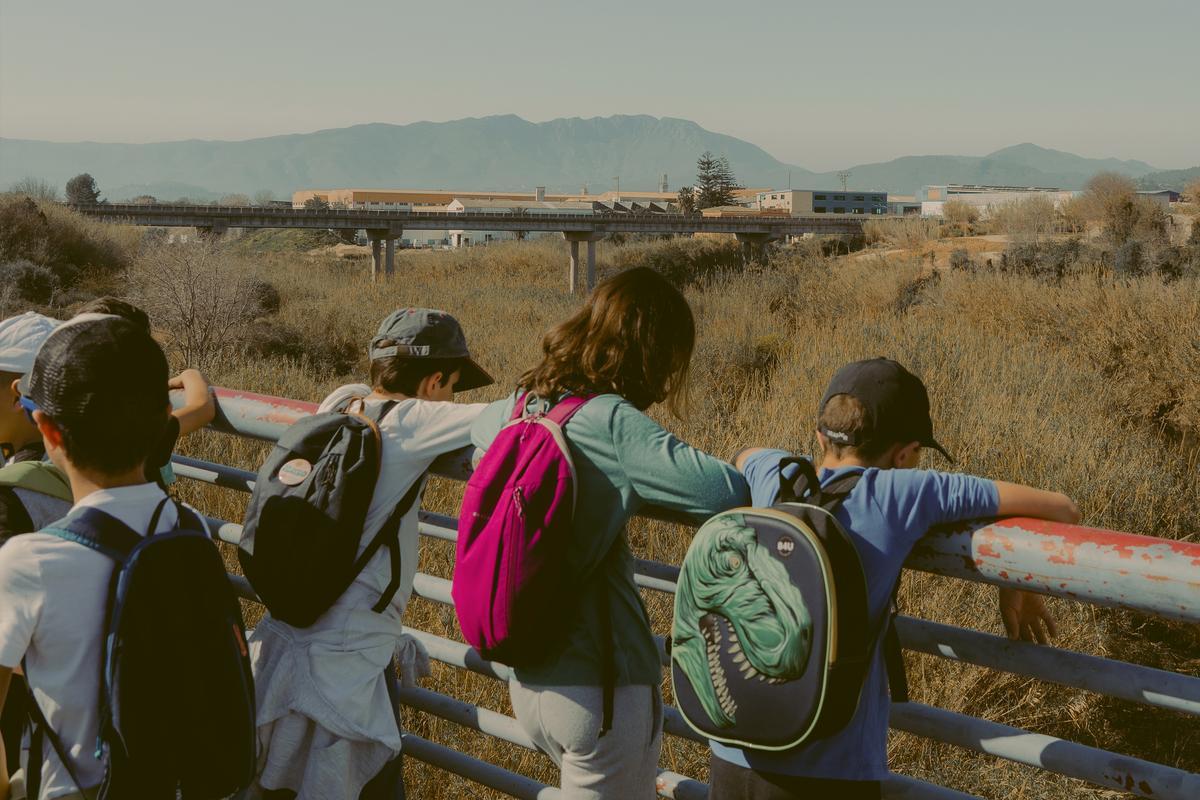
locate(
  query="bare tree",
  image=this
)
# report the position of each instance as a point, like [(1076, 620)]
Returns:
[(36, 188), (1028, 219), (264, 197), (234, 200), (199, 294)]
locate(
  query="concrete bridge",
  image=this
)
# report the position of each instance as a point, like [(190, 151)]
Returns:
[(385, 227)]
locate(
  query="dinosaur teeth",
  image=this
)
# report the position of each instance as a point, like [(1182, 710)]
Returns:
[(740, 658)]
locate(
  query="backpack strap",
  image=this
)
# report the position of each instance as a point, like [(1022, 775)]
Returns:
[(562, 411), (807, 488), (97, 531), (40, 731), (389, 534)]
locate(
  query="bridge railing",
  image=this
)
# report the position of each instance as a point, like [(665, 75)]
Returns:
[(163, 209), (1106, 568)]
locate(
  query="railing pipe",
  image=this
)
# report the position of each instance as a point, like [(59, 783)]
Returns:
[(1091, 764), (1108, 568), (1120, 679), (481, 772), (1133, 682)]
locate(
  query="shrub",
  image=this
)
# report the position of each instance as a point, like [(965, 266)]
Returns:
[(1128, 261), (26, 284), (960, 259), (57, 238), (265, 296), (683, 262)]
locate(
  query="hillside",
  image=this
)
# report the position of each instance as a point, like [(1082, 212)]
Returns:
[(502, 152), (1176, 179)]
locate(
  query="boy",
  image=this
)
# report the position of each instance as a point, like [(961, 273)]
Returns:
[(326, 724), (874, 419), (22, 509), (97, 393)]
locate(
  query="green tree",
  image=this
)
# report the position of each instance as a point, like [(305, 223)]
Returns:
[(82, 191), (687, 200), (715, 182), (316, 202)]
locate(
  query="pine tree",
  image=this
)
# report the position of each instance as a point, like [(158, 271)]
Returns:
[(714, 181), (82, 191)]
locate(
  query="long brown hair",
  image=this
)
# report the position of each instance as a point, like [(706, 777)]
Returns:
[(633, 338)]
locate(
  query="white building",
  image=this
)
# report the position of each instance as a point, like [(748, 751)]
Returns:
[(464, 238), (934, 198)]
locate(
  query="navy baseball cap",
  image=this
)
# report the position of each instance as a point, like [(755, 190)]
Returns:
[(428, 333), (895, 401)]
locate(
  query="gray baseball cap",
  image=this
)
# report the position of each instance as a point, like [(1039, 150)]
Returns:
[(428, 333)]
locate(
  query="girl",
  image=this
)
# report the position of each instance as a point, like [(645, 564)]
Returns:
[(630, 346)]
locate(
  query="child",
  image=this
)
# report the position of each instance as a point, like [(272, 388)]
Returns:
[(874, 419), (326, 727), (97, 393), (631, 345)]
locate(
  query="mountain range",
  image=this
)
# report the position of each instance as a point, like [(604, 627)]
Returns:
[(504, 152)]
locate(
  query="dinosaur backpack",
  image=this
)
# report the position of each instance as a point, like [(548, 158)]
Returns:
[(176, 692), (771, 612), (305, 519)]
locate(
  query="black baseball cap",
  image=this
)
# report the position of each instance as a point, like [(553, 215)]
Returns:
[(428, 333), (99, 366), (895, 402)]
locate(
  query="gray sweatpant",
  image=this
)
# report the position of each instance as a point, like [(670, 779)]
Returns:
[(564, 721)]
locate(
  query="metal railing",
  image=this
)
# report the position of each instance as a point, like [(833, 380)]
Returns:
[(367, 218), (1107, 568)]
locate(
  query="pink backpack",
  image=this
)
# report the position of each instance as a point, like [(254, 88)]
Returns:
[(512, 590)]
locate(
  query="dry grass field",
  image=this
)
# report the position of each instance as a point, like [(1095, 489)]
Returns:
[(1085, 384), (1090, 387)]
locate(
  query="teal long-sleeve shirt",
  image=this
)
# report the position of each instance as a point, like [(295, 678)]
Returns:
[(624, 461)]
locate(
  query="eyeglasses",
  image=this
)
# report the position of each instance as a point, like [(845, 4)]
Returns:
[(29, 407)]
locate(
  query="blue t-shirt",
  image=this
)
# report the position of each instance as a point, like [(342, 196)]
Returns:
[(885, 515)]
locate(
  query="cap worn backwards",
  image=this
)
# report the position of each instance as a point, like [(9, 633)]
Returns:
[(895, 401), (98, 364), (427, 333)]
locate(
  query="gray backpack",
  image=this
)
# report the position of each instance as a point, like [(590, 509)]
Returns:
[(300, 537)]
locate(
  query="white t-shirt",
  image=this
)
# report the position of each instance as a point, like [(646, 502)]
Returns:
[(415, 432), (53, 598)]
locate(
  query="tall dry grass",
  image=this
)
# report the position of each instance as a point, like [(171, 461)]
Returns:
[(1086, 387)]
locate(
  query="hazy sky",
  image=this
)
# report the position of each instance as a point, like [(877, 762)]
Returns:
[(821, 85)]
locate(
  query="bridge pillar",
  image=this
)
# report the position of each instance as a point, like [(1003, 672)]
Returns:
[(575, 237), (754, 247), (383, 250)]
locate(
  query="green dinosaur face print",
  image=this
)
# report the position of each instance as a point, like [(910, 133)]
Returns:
[(738, 597)]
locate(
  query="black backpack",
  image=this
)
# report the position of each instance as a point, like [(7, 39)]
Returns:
[(176, 693), (300, 537), (771, 613)]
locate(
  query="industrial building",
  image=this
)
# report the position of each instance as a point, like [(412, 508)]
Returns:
[(933, 198), (803, 202)]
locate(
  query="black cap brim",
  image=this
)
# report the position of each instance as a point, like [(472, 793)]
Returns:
[(932, 443), (472, 376)]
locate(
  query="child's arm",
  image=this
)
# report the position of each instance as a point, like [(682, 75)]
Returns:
[(5, 678), (199, 408), (1024, 613)]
